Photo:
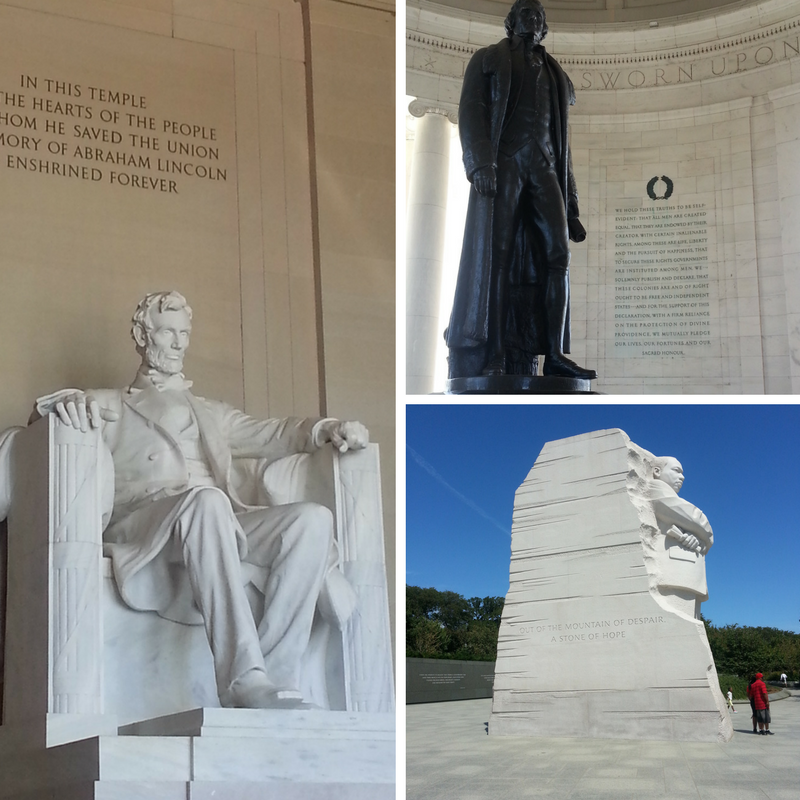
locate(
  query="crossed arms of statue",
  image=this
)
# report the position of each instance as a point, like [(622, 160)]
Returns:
[(681, 520)]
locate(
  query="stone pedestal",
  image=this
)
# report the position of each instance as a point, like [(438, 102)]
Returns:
[(224, 754), (518, 384), (595, 641)]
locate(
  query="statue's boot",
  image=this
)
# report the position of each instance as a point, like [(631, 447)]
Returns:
[(496, 362), (555, 362), (496, 365)]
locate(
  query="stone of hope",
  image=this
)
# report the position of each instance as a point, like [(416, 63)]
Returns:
[(601, 635)]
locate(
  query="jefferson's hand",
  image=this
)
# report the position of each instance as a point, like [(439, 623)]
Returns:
[(81, 410), (485, 181), (346, 436)]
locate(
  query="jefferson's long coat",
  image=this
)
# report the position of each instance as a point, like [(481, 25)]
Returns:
[(484, 98)]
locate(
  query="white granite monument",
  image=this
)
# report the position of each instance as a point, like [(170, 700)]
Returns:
[(196, 599), (601, 635)]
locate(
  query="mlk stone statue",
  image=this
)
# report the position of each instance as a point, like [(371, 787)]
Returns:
[(677, 561), (607, 570), (512, 296), (178, 533)]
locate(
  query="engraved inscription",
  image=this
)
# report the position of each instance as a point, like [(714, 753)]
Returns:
[(662, 290), (100, 134), (442, 678), (586, 630)]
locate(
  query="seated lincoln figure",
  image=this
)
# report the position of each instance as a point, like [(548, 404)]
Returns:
[(179, 533)]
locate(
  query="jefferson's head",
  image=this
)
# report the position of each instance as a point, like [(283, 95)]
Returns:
[(161, 326), (670, 471), (527, 19)]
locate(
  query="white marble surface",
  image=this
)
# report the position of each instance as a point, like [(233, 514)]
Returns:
[(337, 757), (588, 645), (265, 724)]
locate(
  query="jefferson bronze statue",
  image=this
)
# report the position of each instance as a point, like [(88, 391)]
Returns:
[(512, 297)]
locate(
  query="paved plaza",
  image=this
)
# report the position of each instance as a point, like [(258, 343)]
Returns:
[(451, 757)]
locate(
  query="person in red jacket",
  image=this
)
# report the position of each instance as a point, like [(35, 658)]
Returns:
[(757, 691)]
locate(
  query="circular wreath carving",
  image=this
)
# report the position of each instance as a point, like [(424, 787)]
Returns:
[(651, 188)]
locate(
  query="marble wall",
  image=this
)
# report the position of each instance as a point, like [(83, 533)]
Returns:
[(708, 103), (353, 80)]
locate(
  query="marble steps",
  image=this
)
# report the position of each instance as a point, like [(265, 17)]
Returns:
[(216, 753)]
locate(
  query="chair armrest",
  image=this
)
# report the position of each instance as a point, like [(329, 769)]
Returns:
[(302, 477)]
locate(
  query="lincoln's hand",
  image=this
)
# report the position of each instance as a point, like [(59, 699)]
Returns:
[(76, 409), (485, 181), (346, 436)]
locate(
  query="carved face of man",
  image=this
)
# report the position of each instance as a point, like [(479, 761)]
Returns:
[(167, 340), (530, 21), (671, 473)]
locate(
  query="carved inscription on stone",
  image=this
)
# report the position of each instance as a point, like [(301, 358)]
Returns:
[(663, 295), (686, 65), (442, 678), (101, 134), (758, 48), (603, 630)]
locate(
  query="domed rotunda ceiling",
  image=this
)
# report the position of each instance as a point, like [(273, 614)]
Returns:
[(600, 12)]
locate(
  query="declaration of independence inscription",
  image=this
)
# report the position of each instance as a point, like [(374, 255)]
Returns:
[(663, 299), (97, 133)]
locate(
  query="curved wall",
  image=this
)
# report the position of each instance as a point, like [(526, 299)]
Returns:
[(602, 12), (686, 148)]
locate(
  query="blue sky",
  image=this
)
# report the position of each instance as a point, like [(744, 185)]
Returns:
[(464, 463)]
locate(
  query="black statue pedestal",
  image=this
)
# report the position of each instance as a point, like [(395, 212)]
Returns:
[(518, 384)]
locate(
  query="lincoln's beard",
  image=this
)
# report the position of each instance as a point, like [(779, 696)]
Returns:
[(157, 358)]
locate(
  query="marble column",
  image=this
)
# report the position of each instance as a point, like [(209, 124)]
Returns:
[(426, 214), (786, 105)]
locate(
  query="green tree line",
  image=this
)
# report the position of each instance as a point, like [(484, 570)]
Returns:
[(743, 651), (448, 625)]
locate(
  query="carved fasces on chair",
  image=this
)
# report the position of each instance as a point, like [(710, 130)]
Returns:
[(61, 480), (367, 645), (7, 438), (349, 485)]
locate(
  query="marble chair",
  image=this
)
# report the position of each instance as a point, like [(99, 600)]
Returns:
[(80, 663)]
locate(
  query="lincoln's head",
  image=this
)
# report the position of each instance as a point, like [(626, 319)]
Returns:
[(162, 324), (527, 19), (670, 471)]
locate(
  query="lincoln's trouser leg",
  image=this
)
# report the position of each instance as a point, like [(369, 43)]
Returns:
[(294, 541), (206, 530)]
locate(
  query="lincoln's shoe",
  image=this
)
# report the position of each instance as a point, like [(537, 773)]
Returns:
[(254, 690)]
